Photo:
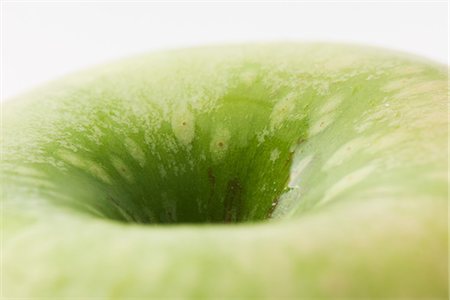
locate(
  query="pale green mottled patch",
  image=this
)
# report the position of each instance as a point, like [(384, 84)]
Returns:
[(183, 125), (347, 182), (398, 84), (220, 143), (408, 70), (93, 168), (297, 169), (248, 77), (383, 112), (95, 134), (388, 141), (162, 171), (331, 104), (321, 124), (404, 105), (261, 136), (348, 150), (282, 111), (98, 171), (274, 155), (342, 62), (135, 151), (72, 158), (27, 171), (122, 168), (321, 87), (420, 88)]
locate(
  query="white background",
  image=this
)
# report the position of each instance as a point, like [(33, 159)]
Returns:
[(44, 40)]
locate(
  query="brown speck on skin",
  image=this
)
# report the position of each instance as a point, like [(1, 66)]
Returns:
[(184, 123), (289, 159), (211, 177), (220, 144), (212, 181), (301, 140), (233, 198), (170, 216)]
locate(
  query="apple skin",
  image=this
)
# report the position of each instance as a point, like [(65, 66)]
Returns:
[(332, 159)]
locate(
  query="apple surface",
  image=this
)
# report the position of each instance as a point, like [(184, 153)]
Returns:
[(263, 171)]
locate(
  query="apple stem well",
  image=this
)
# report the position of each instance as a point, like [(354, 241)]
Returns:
[(194, 167), (170, 139), (296, 171)]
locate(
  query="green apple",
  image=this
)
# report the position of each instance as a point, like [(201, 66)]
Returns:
[(248, 171)]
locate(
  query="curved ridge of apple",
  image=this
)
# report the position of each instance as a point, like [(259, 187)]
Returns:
[(341, 147)]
